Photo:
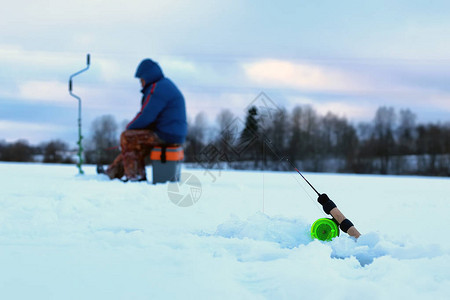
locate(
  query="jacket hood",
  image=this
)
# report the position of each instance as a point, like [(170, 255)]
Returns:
[(149, 70)]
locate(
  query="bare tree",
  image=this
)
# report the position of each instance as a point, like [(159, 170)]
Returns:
[(278, 130), (338, 139), (383, 136), (227, 135), (224, 119), (197, 137), (296, 145), (55, 151), (406, 132), (103, 142)]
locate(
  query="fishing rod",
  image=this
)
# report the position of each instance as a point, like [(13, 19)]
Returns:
[(324, 228), (80, 136), (295, 168)]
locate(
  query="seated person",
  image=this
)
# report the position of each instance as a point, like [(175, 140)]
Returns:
[(161, 120)]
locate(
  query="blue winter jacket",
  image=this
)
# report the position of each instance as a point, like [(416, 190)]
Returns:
[(163, 108)]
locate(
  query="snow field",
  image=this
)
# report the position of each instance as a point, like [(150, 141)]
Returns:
[(65, 236)]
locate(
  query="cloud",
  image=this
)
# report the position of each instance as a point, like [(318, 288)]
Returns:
[(352, 111), (441, 101), (97, 15), (47, 91), (98, 96), (8, 125), (213, 102), (112, 70), (303, 76), (33, 132), (18, 62), (13, 55), (178, 65)]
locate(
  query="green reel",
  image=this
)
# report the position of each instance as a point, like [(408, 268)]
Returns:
[(324, 229)]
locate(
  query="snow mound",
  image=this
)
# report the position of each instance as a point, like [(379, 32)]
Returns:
[(291, 233), (288, 233), (371, 246)]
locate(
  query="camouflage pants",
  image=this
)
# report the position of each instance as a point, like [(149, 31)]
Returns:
[(135, 144)]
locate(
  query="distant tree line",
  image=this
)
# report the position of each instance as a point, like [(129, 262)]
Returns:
[(54, 151), (100, 147), (392, 143)]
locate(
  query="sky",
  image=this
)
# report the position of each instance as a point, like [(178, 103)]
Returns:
[(345, 57)]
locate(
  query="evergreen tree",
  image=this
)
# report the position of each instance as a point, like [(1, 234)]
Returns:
[(250, 141)]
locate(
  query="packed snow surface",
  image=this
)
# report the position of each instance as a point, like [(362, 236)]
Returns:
[(245, 236)]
